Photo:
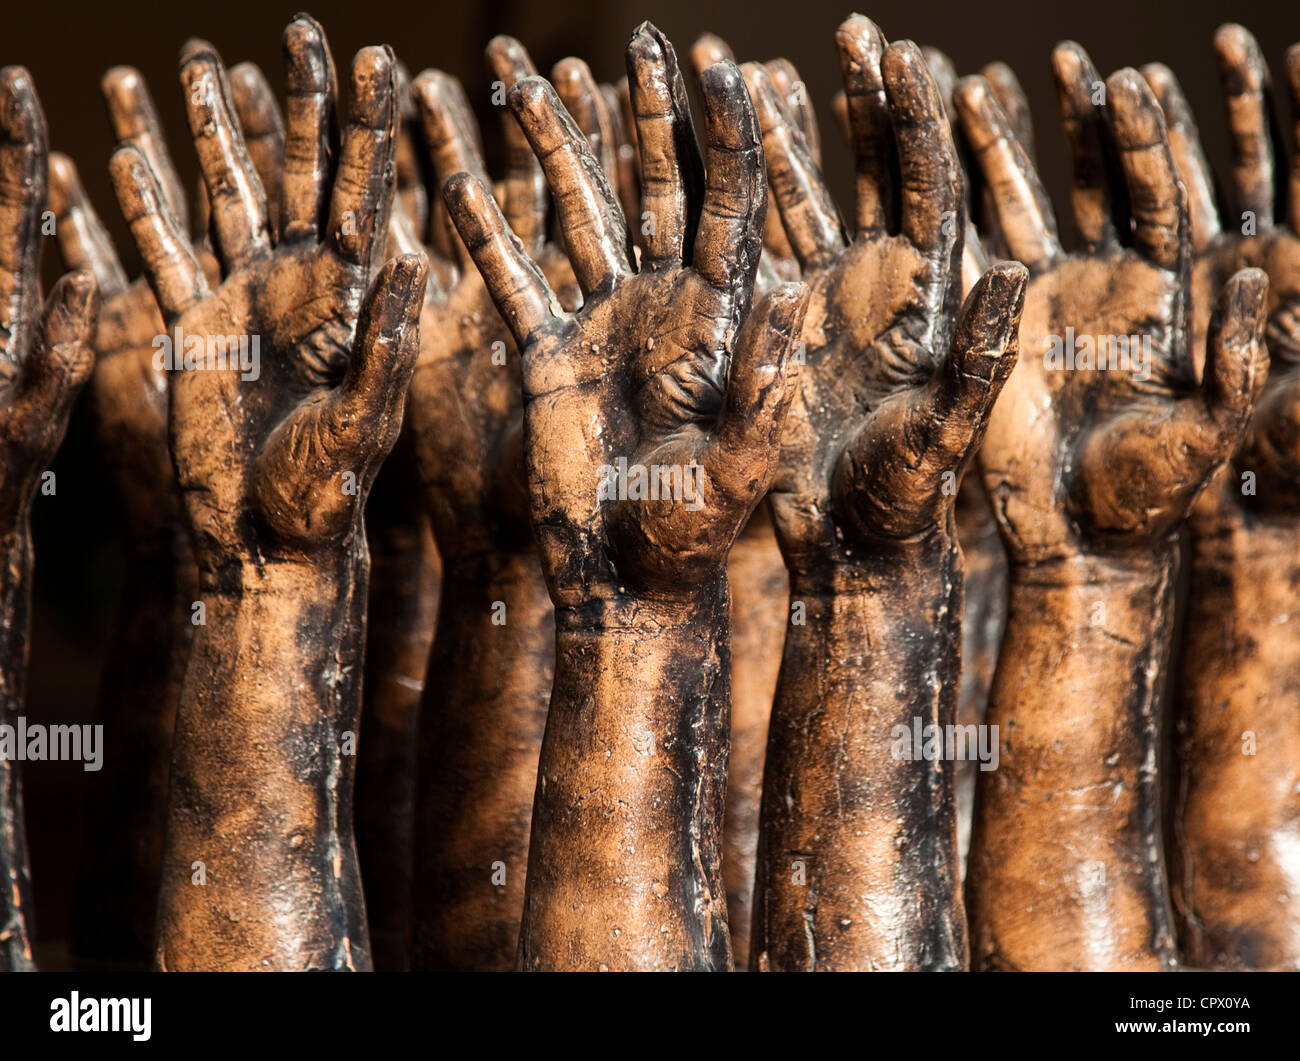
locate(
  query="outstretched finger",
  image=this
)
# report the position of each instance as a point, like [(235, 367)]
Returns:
[(135, 121), (24, 151), (730, 236), (944, 73), (1185, 142), (366, 182), (792, 90), (1024, 212), (263, 129), (672, 172), (525, 184), (1247, 92), (595, 231), (629, 184), (807, 211), (174, 271), (1157, 199), (582, 98), (235, 195), (861, 49), (311, 134), (932, 213), (1011, 94), (1092, 153), (708, 49), (83, 240), (522, 295), (450, 146)]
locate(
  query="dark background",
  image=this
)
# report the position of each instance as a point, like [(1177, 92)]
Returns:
[(68, 45)]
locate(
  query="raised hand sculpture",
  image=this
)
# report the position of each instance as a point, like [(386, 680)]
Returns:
[(1095, 453), (1235, 861), (858, 864), (274, 456), (48, 354), (651, 420)]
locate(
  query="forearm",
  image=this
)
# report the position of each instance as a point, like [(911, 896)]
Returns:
[(624, 868), (260, 867), (405, 574), (15, 877), (137, 704), (984, 563), (760, 592), (1236, 864), (857, 849), (480, 732), (1067, 865)]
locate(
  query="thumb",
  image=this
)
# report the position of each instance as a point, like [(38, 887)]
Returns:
[(984, 350), (891, 477), (1236, 356), (366, 412), (58, 366), (763, 381)]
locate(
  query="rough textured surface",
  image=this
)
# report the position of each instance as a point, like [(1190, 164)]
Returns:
[(665, 364), (857, 864), (1235, 865), (259, 864), (1091, 472), (46, 355)]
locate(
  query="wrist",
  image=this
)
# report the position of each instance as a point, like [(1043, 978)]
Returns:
[(622, 613), (872, 650), (1097, 567), (627, 824)]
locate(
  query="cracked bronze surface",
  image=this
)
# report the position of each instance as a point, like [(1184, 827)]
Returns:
[(858, 864), (259, 863), (1235, 859), (1091, 473), (48, 354)]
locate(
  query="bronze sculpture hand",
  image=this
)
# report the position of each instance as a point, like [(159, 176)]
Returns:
[(48, 356), (1233, 865), (665, 380), (274, 456), (1091, 471), (857, 852)]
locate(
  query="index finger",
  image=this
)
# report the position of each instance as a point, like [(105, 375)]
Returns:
[(134, 118), (730, 235), (932, 214), (23, 152), (83, 240)]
